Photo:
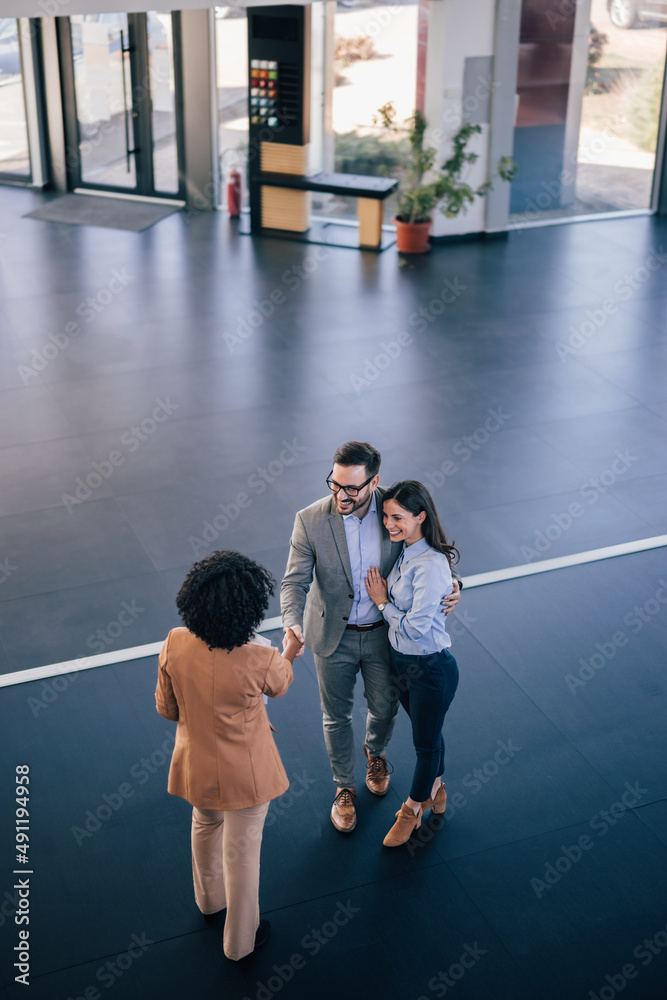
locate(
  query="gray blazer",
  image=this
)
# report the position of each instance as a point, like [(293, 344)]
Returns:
[(318, 555), (319, 568)]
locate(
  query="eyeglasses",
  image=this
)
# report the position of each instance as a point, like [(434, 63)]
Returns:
[(351, 491)]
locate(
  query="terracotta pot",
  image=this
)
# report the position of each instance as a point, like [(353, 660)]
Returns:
[(412, 237)]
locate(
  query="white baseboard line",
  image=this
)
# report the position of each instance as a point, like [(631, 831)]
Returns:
[(563, 562), (270, 624)]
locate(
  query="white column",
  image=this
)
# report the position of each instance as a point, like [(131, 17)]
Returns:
[(54, 104), (462, 70), (504, 105), (37, 161), (199, 111), (578, 69), (321, 146)]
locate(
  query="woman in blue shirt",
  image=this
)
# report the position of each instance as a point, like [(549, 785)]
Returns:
[(424, 670)]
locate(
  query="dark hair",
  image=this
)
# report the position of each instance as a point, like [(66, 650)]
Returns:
[(223, 599), (416, 498), (359, 453)]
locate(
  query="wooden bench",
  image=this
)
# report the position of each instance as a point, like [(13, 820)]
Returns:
[(282, 208)]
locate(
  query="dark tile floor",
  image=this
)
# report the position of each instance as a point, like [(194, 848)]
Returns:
[(133, 414)]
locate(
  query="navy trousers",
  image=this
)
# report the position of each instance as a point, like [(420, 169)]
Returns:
[(426, 686)]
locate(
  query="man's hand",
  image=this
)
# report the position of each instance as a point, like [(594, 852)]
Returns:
[(450, 601), (296, 631)]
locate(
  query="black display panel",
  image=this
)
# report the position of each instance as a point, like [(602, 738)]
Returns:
[(282, 29), (279, 69)]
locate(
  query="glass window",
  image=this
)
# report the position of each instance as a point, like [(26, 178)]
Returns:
[(589, 108), (231, 36), (14, 150), (375, 61)]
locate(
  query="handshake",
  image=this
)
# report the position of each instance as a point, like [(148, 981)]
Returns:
[(293, 642)]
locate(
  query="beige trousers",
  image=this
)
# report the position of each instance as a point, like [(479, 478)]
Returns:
[(225, 870)]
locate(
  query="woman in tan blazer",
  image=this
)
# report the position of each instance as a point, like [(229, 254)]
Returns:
[(211, 680)]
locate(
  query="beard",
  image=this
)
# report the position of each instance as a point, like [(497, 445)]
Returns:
[(352, 506)]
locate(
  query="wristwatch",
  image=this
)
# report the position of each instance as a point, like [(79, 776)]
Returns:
[(382, 606)]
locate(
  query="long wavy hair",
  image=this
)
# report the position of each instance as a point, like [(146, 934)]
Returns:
[(415, 498), (224, 597)]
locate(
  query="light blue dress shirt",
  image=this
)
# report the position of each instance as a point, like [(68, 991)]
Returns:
[(364, 545), (416, 584)]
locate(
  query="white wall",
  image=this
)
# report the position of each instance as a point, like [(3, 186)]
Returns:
[(199, 112), (458, 30)]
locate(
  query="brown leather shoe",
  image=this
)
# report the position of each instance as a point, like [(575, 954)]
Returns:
[(406, 822), (377, 774), (343, 811)]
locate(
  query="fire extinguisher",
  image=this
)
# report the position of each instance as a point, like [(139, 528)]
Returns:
[(234, 191)]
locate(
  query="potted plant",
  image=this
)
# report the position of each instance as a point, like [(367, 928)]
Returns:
[(418, 196)]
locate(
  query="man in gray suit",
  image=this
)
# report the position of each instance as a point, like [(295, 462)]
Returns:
[(334, 543)]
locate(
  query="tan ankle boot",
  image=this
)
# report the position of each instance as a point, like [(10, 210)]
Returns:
[(440, 800), (437, 804), (406, 822)]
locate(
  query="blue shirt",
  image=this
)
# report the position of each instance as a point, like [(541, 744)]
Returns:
[(417, 583), (364, 545)]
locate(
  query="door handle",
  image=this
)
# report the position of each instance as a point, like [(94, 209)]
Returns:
[(123, 50)]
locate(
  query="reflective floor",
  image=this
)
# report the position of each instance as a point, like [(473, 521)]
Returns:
[(183, 389)]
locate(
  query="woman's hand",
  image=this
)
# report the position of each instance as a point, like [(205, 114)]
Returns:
[(292, 647), (376, 586), (294, 631)]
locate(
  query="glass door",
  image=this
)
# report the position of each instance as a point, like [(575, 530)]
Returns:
[(121, 103), (103, 93)]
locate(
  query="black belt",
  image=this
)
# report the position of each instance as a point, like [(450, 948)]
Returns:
[(366, 628)]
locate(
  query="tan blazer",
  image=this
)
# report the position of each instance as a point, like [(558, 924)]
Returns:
[(225, 756)]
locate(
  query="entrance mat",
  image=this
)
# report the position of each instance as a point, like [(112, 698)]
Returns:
[(110, 213)]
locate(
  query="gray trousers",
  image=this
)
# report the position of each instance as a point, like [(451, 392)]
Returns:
[(367, 652)]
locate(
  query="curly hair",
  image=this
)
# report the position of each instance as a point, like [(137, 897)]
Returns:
[(223, 599)]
